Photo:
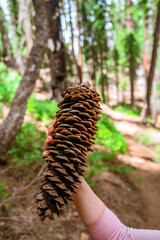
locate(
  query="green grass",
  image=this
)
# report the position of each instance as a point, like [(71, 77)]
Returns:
[(3, 192), (110, 137), (144, 139), (9, 82), (42, 110), (27, 146), (123, 107), (157, 159)]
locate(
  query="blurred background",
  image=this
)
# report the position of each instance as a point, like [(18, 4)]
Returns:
[(47, 46)]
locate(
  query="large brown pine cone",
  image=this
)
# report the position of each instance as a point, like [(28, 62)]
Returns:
[(74, 129)]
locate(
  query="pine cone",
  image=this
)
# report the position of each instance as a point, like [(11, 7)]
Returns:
[(74, 129)]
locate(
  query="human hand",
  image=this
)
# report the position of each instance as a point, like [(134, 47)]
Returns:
[(49, 139)]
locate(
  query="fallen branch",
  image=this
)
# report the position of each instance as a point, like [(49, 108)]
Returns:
[(22, 189)]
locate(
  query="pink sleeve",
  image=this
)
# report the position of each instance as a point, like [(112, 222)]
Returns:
[(109, 227)]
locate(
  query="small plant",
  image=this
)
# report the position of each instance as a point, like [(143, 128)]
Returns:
[(144, 139), (27, 146), (97, 162), (42, 110), (123, 107), (122, 169), (3, 193), (110, 137), (157, 159), (138, 180), (9, 82)]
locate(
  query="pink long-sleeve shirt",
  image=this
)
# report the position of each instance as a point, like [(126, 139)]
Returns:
[(109, 227)]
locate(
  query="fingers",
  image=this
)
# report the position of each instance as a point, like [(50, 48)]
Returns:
[(48, 140), (46, 153), (51, 129)]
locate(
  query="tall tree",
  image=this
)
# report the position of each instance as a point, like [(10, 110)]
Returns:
[(25, 16), (12, 123), (4, 36), (79, 60), (146, 109), (128, 15), (17, 35), (71, 27), (56, 49)]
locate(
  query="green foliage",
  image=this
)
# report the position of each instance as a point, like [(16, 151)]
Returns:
[(42, 110), (144, 139), (27, 146), (3, 193), (96, 162), (124, 107), (110, 137), (157, 159), (9, 82), (122, 169), (132, 49)]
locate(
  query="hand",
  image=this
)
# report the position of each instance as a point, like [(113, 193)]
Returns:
[(49, 139)]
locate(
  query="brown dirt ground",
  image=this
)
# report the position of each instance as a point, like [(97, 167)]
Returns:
[(133, 198)]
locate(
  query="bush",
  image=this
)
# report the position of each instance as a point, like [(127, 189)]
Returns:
[(110, 137), (9, 82), (42, 110), (27, 146), (123, 107)]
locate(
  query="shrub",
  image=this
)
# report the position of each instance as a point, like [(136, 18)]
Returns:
[(42, 110), (110, 137), (27, 146), (9, 82)]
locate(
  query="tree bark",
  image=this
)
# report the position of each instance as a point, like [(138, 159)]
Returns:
[(128, 15), (12, 123), (56, 50), (132, 78), (146, 47), (79, 61), (71, 27), (27, 27), (146, 109), (4, 36)]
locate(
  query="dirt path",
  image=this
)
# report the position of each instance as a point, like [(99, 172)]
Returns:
[(141, 158), (134, 199)]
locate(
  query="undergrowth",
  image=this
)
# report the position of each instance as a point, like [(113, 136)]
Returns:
[(124, 107), (114, 143), (42, 110), (110, 137), (27, 146), (9, 82)]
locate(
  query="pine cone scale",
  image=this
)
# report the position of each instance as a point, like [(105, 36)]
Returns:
[(74, 128)]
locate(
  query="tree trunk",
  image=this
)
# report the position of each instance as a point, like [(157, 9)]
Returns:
[(128, 15), (102, 80), (27, 27), (79, 61), (4, 36), (56, 49), (71, 27), (146, 46), (117, 85), (132, 77), (12, 123), (146, 109)]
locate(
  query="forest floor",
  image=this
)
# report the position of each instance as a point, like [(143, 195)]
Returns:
[(134, 198)]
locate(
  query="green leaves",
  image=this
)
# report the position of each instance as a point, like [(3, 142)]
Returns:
[(9, 82), (42, 110), (27, 146), (110, 137)]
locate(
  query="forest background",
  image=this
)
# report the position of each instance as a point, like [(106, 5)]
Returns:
[(47, 46)]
